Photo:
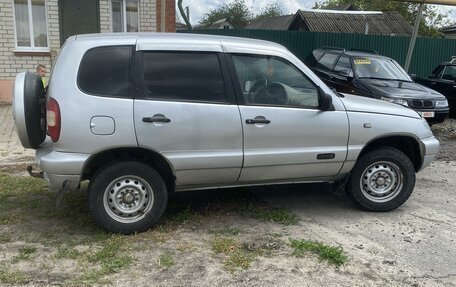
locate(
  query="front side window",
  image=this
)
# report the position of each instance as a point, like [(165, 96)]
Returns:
[(106, 71), (31, 28), (343, 67), (125, 16), (449, 73), (267, 80), (327, 62), (183, 76)]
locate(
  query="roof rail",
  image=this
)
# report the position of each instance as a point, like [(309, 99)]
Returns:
[(364, 50), (333, 48), (453, 59)]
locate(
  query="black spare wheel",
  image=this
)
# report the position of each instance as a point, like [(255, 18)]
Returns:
[(29, 108)]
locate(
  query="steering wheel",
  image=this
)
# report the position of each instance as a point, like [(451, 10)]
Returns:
[(258, 92)]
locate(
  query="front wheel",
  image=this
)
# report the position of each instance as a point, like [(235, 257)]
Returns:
[(127, 197), (382, 179)]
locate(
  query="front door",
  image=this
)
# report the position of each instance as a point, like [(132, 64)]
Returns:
[(78, 17), (286, 135)]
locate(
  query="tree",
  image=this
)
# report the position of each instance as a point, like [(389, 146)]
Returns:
[(240, 14), (272, 9), (429, 25), (237, 11)]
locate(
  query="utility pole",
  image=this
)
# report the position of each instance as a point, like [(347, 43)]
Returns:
[(411, 47)]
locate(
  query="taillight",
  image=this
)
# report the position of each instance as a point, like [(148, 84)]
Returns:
[(53, 119)]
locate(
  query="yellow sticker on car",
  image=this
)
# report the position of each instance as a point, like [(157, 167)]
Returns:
[(362, 62)]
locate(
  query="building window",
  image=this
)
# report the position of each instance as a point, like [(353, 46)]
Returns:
[(30, 23), (125, 16)]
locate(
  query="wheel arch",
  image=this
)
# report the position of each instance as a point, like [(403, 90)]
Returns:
[(150, 157), (406, 144)]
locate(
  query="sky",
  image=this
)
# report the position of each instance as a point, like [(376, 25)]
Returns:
[(199, 7)]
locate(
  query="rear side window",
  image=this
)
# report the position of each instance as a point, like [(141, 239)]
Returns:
[(327, 61), (106, 71), (183, 76), (313, 58)]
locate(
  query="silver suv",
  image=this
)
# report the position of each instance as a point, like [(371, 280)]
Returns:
[(143, 115)]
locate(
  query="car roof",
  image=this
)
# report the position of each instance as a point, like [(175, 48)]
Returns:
[(190, 39), (447, 63), (353, 53)]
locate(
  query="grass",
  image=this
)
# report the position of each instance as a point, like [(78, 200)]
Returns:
[(185, 246), (226, 231), (96, 263), (24, 253), (334, 255), (236, 257), (165, 261), (275, 214), (68, 252), (12, 278), (23, 199), (70, 234), (5, 238), (240, 255)]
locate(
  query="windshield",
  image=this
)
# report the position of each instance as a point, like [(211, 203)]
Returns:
[(379, 68)]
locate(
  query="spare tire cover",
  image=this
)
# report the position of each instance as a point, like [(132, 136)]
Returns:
[(29, 107)]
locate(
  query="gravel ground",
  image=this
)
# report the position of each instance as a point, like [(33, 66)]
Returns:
[(446, 134)]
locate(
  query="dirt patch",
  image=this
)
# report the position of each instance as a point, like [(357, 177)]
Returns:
[(446, 134), (265, 236)]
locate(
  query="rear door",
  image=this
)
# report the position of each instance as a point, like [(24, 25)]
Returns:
[(185, 111), (286, 135)]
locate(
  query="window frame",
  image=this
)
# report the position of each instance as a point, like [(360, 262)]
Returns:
[(350, 72), (221, 57), (324, 68), (442, 73), (124, 16), (239, 90), (131, 73), (32, 47)]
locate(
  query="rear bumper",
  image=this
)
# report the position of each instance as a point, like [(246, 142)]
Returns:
[(429, 148), (62, 170)]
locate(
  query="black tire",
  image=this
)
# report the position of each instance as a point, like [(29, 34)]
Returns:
[(35, 109), (382, 180), (127, 197)]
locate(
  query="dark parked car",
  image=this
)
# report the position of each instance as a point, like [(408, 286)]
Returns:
[(443, 80), (368, 74)]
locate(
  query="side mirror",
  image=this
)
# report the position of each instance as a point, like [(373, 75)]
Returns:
[(324, 100), (413, 76)]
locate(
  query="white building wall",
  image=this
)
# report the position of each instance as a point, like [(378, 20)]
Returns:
[(147, 15), (13, 62)]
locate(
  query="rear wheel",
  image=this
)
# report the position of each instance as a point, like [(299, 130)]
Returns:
[(127, 197), (383, 179)]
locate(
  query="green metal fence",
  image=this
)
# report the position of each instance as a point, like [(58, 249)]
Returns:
[(428, 51)]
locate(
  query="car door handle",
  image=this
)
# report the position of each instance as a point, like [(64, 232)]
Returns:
[(156, 119), (257, 121), (433, 83)]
